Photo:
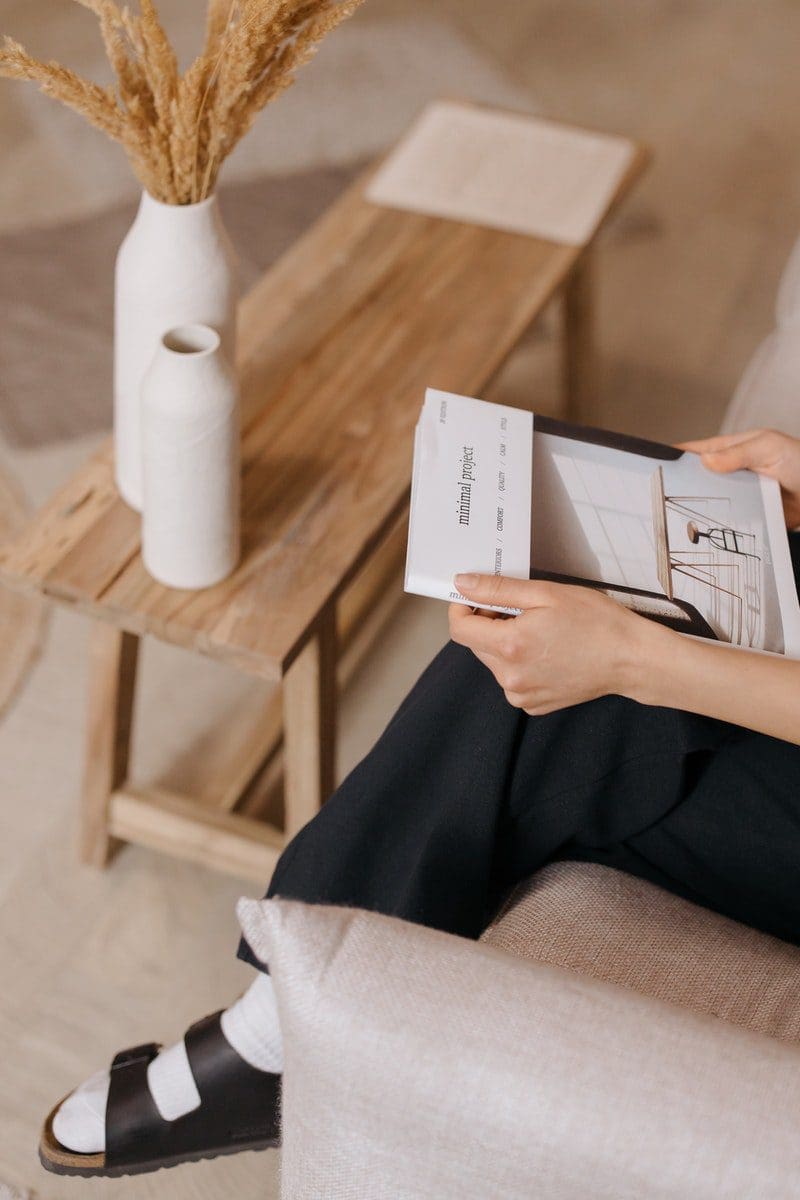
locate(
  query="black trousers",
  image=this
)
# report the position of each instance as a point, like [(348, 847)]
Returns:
[(464, 796)]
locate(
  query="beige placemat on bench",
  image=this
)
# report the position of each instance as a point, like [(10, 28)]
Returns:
[(504, 170)]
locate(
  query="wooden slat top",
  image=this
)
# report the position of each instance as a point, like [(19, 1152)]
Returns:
[(337, 343)]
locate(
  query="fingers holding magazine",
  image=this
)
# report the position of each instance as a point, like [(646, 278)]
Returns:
[(764, 451), (567, 645)]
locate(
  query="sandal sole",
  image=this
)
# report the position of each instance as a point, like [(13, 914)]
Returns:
[(59, 1161)]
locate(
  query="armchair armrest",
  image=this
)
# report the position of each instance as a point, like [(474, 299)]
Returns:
[(423, 1065)]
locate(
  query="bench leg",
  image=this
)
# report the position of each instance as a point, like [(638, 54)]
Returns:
[(580, 368), (309, 725), (113, 656)]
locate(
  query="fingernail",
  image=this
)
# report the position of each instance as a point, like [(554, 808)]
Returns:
[(465, 583)]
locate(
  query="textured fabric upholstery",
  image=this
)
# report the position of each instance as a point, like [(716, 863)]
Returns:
[(420, 1065), (623, 930), (768, 394), (787, 307), (769, 390)]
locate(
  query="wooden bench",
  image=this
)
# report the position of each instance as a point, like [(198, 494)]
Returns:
[(338, 342)]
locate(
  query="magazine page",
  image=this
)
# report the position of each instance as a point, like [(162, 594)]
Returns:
[(500, 491)]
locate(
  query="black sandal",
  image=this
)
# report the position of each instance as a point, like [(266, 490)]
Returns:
[(239, 1110)]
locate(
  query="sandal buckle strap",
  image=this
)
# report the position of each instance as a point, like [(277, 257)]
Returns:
[(136, 1054)]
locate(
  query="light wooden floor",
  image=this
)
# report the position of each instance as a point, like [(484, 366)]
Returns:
[(690, 272), (90, 962)]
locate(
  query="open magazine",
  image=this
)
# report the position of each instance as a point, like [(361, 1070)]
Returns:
[(501, 491)]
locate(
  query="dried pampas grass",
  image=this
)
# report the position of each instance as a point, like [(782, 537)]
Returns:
[(177, 130)]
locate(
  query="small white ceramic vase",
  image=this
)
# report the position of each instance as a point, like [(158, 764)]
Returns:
[(191, 460), (176, 266)]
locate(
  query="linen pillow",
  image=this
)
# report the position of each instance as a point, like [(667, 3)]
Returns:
[(768, 394), (787, 306), (423, 1065)]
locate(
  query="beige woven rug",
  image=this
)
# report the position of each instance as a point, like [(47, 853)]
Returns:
[(21, 616), (56, 300), (9, 1192)]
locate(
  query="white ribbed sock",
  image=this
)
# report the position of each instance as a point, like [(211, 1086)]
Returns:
[(250, 1026), (172, 1084)]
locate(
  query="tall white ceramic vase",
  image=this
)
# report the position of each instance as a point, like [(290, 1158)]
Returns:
[(176, 266), (191, 460)]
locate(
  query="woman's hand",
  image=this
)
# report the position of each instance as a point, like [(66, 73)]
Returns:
[(763, 450), (570, 644)]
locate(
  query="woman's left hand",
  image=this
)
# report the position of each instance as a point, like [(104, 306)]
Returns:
[(570, 644)]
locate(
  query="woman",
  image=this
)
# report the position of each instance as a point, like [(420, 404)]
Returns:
[(575, 730)]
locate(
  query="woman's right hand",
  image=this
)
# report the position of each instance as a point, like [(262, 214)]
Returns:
[(762, 450)]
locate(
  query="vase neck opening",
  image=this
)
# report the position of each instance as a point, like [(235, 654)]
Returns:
[(197, 206), (176, 218), (191, 341)]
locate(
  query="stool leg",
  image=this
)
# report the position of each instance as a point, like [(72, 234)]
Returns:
[(113, 656), (309, 725), (580, 367)]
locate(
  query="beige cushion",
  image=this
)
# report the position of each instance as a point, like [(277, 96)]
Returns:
[(422, 1065), (768, 395), (787, 307), (614, 927)]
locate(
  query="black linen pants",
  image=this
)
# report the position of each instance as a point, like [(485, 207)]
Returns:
[(464, 796)]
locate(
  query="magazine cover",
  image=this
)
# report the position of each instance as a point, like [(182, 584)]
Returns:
[(501, 491)]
